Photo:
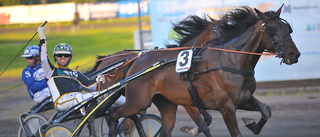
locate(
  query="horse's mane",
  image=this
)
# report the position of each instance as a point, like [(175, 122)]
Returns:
[(231, 24), (189, 28), (172, 46), (271, 14), (237, 20)]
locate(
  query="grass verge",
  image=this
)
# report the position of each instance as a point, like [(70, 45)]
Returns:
[(86, 43)]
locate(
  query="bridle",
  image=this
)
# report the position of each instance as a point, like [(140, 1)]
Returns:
[(277, 44)]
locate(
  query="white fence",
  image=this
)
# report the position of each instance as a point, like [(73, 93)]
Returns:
[(25, 14)]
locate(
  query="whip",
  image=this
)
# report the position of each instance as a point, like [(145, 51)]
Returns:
[(22, 48)]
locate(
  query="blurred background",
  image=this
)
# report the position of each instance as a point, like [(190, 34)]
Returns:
[(89, 26), (102, 27), (94, 27)]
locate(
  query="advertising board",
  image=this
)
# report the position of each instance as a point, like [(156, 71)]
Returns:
[(302, 15)]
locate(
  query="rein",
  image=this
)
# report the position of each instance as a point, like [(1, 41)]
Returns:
[(267, 53), (103, 59), (218, 49)]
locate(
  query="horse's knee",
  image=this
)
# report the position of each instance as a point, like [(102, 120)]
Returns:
[(206, 116)]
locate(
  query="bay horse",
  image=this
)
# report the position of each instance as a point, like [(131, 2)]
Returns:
[(194, 31), (119, 74), (225, 88)]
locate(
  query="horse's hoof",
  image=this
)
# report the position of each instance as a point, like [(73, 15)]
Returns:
[(251, 124), (248, 121), (190, 130)]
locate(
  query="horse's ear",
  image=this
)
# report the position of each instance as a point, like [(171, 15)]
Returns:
[(212, 20), (225, 18), (279, 10), (260, 14)]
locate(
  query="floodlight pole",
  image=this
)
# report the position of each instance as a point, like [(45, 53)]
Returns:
[(139, 22)]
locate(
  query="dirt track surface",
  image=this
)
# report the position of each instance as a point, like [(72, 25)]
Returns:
[(296, 114)]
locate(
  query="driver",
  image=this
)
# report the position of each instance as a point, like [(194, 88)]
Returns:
[(64, 83), (33, 75)]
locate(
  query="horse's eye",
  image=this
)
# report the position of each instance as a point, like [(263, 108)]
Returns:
[(271, 30)]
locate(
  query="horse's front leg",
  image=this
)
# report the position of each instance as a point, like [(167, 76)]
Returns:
[(202, 124), (255, 105), (228, 112), (206, 116)]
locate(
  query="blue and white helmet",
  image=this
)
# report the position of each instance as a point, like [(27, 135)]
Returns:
[(30, 51)]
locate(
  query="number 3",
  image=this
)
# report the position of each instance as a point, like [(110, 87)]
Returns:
[(185, 58), (184, 61)]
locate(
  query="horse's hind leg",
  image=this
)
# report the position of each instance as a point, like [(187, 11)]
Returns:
[(202, 125), (255, 105), (168, 114)]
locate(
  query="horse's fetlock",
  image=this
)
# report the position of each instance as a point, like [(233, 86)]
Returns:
[(264, 110), (268, 113)]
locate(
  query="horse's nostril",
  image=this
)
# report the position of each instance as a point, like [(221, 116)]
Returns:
[(298, 55), (293, 55)]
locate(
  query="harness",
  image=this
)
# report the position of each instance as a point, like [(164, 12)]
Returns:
[(190, 75), (227, 69), (277, 44)]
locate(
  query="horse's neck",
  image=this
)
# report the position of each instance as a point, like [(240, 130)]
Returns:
[(199, 39), (248, 41), (205, 36)]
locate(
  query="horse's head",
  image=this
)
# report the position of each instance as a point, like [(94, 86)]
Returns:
[(277, 32)]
